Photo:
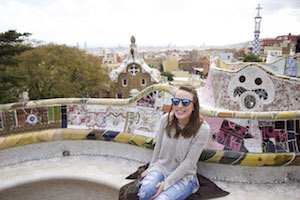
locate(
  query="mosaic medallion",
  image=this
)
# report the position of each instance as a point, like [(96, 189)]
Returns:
[(252, 88)]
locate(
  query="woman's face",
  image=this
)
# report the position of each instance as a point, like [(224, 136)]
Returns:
[(182, 112)]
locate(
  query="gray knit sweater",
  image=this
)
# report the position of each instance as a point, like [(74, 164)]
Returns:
[(177, 158)]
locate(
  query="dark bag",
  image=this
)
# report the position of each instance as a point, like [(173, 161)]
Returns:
[(130, 190), (206, 190)]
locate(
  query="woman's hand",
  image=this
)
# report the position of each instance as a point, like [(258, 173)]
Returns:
[(144, 173), (160, 187)]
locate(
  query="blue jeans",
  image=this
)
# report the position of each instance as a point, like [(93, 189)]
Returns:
[(176, 192)]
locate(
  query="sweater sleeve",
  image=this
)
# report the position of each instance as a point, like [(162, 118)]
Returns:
[(191, 158), (158, 142)]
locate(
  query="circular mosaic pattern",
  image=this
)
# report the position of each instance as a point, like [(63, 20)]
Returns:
[(258, 81), (253, 81), (250, 101), (32, 119), (242, 79)]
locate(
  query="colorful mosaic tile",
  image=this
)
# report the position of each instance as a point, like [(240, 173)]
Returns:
[(54, 113), (30, 119), (123, 137), (147, 100), (231, 135), (252, 88), (95, 134), (291, 67), (237, 138), (277, 67), (138, 140), (109, 135), (279, 136), (1, 121)]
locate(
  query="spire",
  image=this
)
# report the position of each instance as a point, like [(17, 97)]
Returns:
[(257, 20), (132, 47)]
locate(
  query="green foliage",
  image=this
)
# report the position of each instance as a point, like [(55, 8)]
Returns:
[(56, 71), (11, 45), (251, 58), (167, 74)]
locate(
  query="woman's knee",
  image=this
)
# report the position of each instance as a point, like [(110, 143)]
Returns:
[(152, 177), (148, 184), (146, 190)]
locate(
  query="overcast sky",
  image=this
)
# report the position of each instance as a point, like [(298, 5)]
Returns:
[(152, 22)]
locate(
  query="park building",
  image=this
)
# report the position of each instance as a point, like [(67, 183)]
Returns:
[(133, 75)]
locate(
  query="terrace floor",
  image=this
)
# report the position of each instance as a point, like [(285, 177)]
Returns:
[(81, 177)]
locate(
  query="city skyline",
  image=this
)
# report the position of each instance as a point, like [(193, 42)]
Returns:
[(157, 23)]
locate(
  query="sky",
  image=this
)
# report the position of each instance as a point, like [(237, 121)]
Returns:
[(109, 23)]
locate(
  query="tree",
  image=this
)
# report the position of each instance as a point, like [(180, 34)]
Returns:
[(11, 45), (55, 71), (167, 74), (251, 58)]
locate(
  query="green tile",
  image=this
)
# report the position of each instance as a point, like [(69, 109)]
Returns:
[(57, 113), (13, 113), (50, 114)]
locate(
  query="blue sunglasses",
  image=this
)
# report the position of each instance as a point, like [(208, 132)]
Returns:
[(185, 102)]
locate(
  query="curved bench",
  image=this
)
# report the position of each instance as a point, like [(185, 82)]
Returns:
[(133, 121)]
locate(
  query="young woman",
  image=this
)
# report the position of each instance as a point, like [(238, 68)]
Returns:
[(181, 138)]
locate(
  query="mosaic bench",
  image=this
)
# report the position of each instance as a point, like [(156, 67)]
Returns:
[(237, 137)]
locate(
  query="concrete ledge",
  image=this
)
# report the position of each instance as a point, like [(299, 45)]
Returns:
[(97, 170), (112, 151), (249, 174), (69, 166), (60, 190), (73, 177)]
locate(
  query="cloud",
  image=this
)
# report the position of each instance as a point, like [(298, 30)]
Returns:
[(155, 22), (276, 5)]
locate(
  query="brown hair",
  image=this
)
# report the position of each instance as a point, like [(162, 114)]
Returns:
[(195, 120)]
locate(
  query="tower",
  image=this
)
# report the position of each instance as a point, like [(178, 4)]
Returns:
[(257, 20), (132, 47)]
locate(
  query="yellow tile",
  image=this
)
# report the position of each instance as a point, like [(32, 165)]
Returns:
[(276, 159), (123, 137), (2, 140), (10, 141), (74, 134), (284, 115), (138, 139), (79, 134), (255, 159), (46, 135), (26, 138)]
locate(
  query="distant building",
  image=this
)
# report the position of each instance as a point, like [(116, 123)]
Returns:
[(156, 62), (170, 64), (226, 56), (189, 65), (283, 45), (110, 58), (273, 50), (133, 76)]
